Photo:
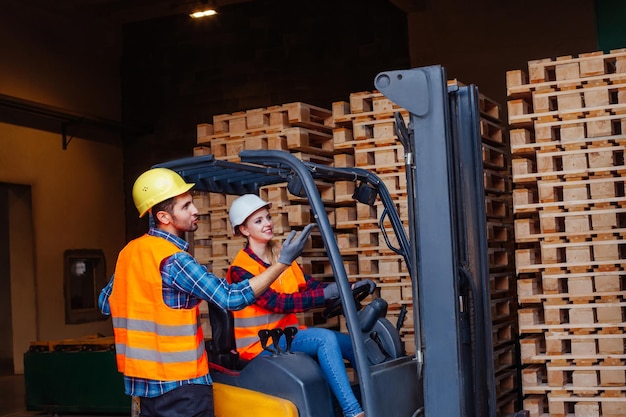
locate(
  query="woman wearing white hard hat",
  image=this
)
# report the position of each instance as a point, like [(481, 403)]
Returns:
[(293, 292)]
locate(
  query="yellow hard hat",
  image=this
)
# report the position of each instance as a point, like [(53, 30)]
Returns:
[(157, 185)]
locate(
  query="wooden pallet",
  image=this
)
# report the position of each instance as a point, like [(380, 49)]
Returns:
[(86, 343), (573, 163), (530, 259), (499, 208), (492, 132), (499, 233), (270, 119), (525, 142), (503, 283), (522, 113), (526, 200), (309, 116), (531, 319), (495, 158), (383, 268), (506, 382), (502, 308), (569, 286), (309, 141), (566, 71), (365, 105), (386, 158), (564, 404), (581, 347)]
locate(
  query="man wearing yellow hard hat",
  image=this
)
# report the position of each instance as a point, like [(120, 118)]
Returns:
[(154, 299)]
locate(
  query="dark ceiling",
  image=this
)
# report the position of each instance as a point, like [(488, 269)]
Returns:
[(119, 11), (116, 12)]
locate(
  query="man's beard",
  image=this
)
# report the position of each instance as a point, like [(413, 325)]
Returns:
[(191, 227)]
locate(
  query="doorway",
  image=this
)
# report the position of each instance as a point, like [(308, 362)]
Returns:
[(18, 306)]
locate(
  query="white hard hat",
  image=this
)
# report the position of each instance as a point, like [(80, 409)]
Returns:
[(243, 207)]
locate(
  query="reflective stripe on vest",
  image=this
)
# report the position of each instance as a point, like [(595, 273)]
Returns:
[(153, 340), (152, 355), (253, 318)]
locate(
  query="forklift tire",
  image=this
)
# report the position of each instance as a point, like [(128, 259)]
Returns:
[(231, 401)]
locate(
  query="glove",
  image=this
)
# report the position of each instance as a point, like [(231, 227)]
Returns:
[(293, 248), (368, 282), (331, 291)]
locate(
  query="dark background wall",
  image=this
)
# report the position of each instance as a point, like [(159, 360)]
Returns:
[(6, 344), (611, 18), (478, 41), (179, 72)]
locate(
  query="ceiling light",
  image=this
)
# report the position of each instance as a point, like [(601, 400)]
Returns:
[(203, 13), (203, 9)]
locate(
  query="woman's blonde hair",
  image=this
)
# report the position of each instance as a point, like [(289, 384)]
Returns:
[(274, 250)]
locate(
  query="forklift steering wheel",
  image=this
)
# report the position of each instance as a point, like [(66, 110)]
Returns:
[(336, 308)]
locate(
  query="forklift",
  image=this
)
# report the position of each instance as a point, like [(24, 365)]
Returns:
[(451, 373)]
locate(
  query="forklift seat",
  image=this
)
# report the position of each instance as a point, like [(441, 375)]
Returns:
[(222, 349)]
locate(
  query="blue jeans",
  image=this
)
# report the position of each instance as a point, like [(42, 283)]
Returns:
[(330, 348)]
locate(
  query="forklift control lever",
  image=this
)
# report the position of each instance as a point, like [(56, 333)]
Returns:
[(401, 318), (374, 336), (264, 335), (290, 333), (371, 313), (276, 334)]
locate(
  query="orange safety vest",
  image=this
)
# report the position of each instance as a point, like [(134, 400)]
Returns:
[(253, 318), (153, 340)]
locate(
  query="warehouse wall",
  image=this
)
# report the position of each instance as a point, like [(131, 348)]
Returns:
[(76, 195), (77, 203), (179, 72), (478, 41), (6, 343), (19, 297)]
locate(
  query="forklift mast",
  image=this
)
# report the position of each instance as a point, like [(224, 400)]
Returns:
[(447, 229)]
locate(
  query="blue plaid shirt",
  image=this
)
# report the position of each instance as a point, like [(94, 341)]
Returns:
[(185, 284)]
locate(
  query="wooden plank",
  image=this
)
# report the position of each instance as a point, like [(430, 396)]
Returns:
[(309, 116), (85, 343), (310, 141)]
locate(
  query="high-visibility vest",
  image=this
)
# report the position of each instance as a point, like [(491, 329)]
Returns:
[(253, 318), (153, 340)]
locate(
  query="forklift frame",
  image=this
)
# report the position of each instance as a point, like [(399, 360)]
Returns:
[(452, 371)]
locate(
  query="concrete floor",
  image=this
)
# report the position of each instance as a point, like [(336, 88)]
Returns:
[(13, 396)]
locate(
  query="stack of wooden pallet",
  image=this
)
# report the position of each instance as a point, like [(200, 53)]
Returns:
[(366, 125), (496, 159), (301, 129), (295, 127), (568, 119)]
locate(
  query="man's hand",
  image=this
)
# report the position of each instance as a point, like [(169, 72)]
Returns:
[(291, 248)]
